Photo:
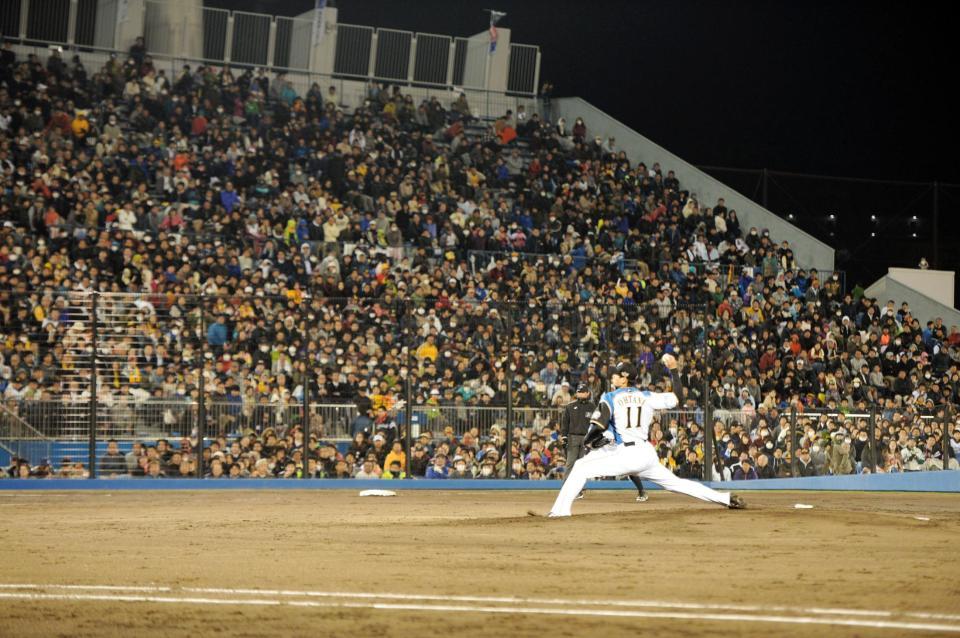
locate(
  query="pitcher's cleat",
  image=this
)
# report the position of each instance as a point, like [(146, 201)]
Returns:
[(642, 498), (737, 502), (579, 496)]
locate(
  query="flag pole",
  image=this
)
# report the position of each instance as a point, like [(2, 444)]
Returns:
[(495, 16), (486, 82)]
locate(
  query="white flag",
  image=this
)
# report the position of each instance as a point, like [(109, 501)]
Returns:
[(319, 22)]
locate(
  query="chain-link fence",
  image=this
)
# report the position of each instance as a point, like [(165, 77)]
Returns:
[(86, 376)]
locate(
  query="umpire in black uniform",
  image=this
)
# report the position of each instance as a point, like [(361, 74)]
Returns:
[(573, 426)]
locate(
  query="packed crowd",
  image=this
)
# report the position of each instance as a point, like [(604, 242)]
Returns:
[(343, 252), (746, 449)]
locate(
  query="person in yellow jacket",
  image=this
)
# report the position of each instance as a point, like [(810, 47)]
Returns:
[(80, 125), (396, 455), (428, 350), (394, 472)]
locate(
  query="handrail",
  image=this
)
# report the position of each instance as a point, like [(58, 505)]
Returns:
[(8, 417), (43, 45)]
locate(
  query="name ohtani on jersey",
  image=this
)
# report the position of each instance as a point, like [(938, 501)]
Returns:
[(624, 407)]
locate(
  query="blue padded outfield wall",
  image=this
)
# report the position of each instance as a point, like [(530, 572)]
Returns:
[(906, 482)]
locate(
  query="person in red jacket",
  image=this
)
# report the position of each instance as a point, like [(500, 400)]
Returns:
[(768, 359)]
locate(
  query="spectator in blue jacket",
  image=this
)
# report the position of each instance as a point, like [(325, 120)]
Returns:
[(229, 197), (439, 468), (217, 334)]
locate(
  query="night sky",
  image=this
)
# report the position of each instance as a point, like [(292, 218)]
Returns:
[(852, 89)]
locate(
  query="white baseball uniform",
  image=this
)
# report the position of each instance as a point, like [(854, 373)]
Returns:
[(627, 413)]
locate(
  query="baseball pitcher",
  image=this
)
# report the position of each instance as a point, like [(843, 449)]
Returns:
[(626, 413)]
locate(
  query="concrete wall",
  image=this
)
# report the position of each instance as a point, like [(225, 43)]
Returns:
[(903, 482), (500, 61), (321, 54), (475, 64), (809, 251), (173, 27), (936, 284), (105, 26), (129, 22), (923, 307), (475, 72)]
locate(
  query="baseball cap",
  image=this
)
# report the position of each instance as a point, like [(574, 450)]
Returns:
[(583, 387), (625, 369)]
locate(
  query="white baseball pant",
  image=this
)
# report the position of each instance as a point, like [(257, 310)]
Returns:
[(639, 459)]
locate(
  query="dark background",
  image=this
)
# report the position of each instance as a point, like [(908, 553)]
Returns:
[(842, 89)]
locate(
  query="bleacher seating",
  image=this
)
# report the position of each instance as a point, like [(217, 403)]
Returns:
[(349, 251)]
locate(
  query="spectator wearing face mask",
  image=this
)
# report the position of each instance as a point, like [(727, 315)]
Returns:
[(393, 471), (438, 468), (488, 469), (912, 456), (459, 469)]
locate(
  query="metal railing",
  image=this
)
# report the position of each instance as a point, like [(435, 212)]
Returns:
[(149, 366), (524, 71), (18, 438), (479, 421), (215, 27), (353, 51), (432, 63), (283, 43), (351, 91), (393, 52), (49, 21), (250, 39), (833, 443)]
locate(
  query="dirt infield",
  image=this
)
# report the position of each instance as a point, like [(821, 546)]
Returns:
[(329, 563)]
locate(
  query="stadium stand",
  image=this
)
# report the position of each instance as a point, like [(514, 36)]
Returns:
[(413, 241)]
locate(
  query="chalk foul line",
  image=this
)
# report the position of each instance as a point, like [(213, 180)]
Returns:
[(483, 604)]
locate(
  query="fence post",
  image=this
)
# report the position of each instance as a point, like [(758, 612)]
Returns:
[(228, 42), (944, 437), (794, 447), (408, 423), (709, 440), (536, 75), (202, 405), (372, 63), (872, 438), (272, 43), (72, 22), (405, 310), (24, 16), (92, 434), (451, 61), (412, 59), (509, 450), (307, 380)]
